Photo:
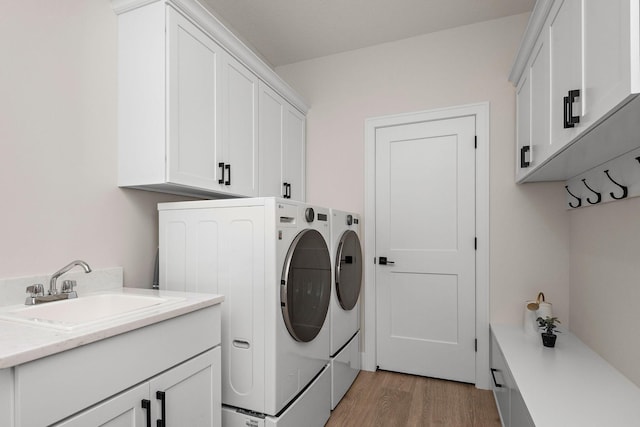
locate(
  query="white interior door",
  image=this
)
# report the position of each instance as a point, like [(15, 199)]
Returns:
[(425, 226)]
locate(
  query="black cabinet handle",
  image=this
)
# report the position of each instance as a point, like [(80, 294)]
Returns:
[(160, 395), (523, 153), (493, 375), (146, 404), (221, 166), (228, 169), (384, 261), (287, 190), (569, 119)]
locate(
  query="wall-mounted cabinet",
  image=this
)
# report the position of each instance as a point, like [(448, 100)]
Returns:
[(577, 68), (282, 147), (188, 107)]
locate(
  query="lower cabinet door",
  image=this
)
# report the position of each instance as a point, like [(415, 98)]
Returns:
[(187, 395), (190, 393), (123, 410), (500, 383), (513, 410)]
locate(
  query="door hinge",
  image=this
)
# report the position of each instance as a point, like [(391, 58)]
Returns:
[(475, 243), (475, 143), (476, 345)]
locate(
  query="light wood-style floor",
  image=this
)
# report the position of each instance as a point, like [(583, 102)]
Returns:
[(389, 399)]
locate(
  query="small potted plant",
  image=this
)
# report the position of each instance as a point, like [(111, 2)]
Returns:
[(548, 324)]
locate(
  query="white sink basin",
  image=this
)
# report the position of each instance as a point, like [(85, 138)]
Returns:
[(87, 310)]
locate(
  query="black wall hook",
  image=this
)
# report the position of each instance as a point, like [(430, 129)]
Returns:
[(598, 195), (623, 187), (576, 197), (638, 159)]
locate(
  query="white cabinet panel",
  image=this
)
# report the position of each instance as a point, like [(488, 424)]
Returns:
[(282, 147), (124, 410), (512, 408), (271, 130), (500, 386), (565, 40), (192, 393), (293, 153), (240, 130), (191, 397), (611, 38), (193, 106), (523, 126), (539, 96)]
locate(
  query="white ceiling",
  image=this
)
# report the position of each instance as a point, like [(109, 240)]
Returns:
[(288, 31)]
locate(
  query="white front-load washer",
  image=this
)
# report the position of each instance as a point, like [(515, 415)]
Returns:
[(346, 258), (270, 258)]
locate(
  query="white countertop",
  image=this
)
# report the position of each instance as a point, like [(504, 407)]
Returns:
[(569, 385), (21, 343)]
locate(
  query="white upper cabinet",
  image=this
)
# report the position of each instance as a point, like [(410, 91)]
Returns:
[(188, 104), (282, 147), (589, 72)]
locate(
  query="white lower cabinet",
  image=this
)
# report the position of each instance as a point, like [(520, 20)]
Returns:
[(513, 411), (124, 410), (167, 373), (185, 395)]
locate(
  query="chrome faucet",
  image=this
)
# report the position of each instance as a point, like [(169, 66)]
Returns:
[(54, 277)]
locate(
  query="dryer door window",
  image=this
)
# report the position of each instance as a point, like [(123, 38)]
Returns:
[(348, 270), (306, 285)]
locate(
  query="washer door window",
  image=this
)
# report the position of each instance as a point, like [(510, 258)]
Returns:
[(305, 289), (348, 270)]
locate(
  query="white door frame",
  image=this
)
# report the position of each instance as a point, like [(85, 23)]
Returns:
[(481, 112)]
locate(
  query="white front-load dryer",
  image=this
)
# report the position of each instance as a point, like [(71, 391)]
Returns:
[(270, 258), (347, 262)]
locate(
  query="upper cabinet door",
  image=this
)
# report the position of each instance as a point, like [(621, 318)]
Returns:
[(565, 45), (523, 126), (271, 131), (611, 38), (282, 147), (194, 113), (240, 133), (293, 153), (540, 116)]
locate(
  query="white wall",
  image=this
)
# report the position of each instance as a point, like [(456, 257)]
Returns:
[(529, 227), (605, 281), (58, 148)]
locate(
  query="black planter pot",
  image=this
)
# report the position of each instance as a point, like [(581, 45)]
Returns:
[(549, 340)]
